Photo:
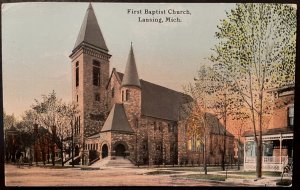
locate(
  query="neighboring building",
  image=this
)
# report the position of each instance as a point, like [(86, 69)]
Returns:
[(119, 113), (278, 138), (191, 149)]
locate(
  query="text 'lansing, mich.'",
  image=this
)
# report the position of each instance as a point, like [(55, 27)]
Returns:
[(159, 15)]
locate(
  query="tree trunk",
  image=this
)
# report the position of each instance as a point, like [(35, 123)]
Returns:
[(72, 145), (258, 160), (239, 153), (61, 152), (225, 126), (204, 160), (223, 160), (53, 145), (43, 151), (48, 156)]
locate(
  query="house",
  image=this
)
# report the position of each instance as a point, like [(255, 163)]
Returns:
[(278, 138)]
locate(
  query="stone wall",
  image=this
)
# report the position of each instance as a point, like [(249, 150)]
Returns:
[(92, 113), (128, 140), (182, 141), (156, 141), (114, 84), (95, 112)]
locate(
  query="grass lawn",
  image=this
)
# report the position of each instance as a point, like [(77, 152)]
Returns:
[(55, 167), (197, 168), (203, 176), (216, 177), (249, 173), (161, 172)]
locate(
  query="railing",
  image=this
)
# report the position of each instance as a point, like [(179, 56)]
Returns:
[(93, 161), (269, 163), (267, 159)]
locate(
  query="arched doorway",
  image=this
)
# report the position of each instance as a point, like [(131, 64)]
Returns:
[(76, 150), (120, 150), (104, 151)]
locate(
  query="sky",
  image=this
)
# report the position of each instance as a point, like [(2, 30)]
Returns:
[(37, 39)]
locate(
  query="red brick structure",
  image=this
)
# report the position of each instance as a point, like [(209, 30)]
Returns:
[(277, 137)]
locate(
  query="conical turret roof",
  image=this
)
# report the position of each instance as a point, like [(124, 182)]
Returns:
[(131, 77), (90, 32)]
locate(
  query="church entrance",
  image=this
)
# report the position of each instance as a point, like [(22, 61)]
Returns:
[(104, 151), (120, 150)]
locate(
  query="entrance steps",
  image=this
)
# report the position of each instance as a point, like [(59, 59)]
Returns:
[(113, 162)]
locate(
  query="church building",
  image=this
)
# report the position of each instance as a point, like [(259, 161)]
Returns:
[(120, 115)]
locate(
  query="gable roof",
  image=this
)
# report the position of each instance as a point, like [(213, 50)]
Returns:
[(158, 101), (216, 127), (117, 120), (90, 32)]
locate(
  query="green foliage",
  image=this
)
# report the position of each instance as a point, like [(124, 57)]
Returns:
[(207, 176), (256, 51), (260, 40), (8, 121)]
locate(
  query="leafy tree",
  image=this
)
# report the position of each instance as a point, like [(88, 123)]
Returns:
[(48, 116), (9, 121), (216, 91), (256, 50)]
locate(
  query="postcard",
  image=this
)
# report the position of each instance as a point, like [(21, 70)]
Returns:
[(148, 94)]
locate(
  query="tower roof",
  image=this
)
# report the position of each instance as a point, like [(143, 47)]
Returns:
[(90, 32), (131, 77), (117, 120)]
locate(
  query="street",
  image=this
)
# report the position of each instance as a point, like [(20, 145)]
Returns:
[(38, 176)]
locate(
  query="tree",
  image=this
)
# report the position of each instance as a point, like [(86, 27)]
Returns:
[(240, 126), (197, 122), (219, 98), (48, 116), (67, 114), (9, 121), (256, 50)]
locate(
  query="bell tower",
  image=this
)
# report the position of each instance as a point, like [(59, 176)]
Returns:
[(90, 74)]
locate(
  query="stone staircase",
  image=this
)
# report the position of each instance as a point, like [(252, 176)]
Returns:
[(113, 162)]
